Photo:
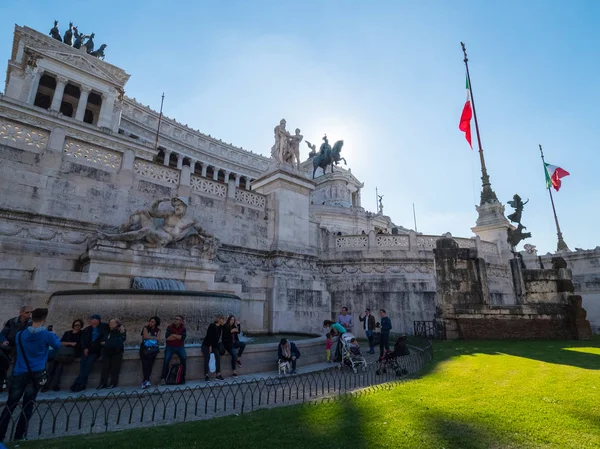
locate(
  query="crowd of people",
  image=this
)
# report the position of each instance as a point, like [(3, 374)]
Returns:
[(370, 325), (38, 357)]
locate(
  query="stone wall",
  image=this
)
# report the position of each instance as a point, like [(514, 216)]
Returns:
[(549, 309), (585, 266)]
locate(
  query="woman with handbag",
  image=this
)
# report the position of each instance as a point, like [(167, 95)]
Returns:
[(212, 345), (149, 348), (69, 350), (232, 343), (112, 354)]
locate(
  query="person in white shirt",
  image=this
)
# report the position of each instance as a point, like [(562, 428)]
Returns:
[(345, 319)]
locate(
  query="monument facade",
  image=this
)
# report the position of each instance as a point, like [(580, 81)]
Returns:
[(88, 201)]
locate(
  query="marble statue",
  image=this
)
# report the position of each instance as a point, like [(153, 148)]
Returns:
[(294, 149), (159, 228), (380, 197), (89, 45), (99, 53), (55, 33), (328, 156), (515, 236), (68, 37), (530, 249), (78, 38), (280, 147)]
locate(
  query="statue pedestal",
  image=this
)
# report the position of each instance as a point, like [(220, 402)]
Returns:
[(116, 263), (288, 192), (492, 226)]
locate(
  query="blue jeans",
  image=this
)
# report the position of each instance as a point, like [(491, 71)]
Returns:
[(20, 385), (169, 351), (236, 354), (85, 367), (370, 337)]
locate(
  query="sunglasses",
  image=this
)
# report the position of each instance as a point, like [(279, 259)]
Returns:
[(77, 325)]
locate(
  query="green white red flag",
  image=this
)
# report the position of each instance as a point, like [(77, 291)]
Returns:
[(466, 116), (553, 175)]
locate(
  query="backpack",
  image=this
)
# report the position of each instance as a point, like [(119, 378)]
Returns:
[(174, 376)]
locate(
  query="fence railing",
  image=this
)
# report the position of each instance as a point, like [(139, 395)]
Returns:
[(431, 330), (127, 410)]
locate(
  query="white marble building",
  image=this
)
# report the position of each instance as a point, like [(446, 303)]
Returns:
[(77, 155)]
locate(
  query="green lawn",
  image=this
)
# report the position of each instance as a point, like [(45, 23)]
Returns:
[(485, 394)]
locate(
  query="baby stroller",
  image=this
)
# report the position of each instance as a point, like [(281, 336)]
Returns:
[(351, 356), (395, 360)]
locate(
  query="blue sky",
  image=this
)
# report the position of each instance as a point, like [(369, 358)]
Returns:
[(388, 78)]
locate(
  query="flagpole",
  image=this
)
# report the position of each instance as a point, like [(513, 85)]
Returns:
[(487, 194), (561, 245), (159, 120), (415, 217)]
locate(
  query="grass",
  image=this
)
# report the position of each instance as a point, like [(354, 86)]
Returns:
[(484, 394)]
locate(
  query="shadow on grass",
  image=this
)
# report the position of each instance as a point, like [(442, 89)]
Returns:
[(549, 351)]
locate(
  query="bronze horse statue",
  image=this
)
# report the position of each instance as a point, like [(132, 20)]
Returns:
[(328, 156)]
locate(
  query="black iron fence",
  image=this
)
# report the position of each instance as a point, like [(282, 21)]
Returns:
[(432, 330), (126, 410)]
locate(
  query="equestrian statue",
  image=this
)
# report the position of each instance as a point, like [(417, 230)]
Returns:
[(328, 156)]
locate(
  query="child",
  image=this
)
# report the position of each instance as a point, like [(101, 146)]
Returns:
[(328, 345), (354, 348)]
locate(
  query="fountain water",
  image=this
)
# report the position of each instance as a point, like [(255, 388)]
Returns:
[(139, 283)]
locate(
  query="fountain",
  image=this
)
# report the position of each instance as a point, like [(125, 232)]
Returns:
[(134, 307)]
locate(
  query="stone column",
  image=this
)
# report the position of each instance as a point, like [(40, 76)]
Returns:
[(237, 179), (61, 83), (107, 109), (216, 174), (167, 158), (179, 161), (204, 168), (36, 75), (230, 186), (82, 105), (184, 182), (193, 163), (358, 199)]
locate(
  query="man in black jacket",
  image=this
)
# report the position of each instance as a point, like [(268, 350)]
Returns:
[(369, 326), (7, 339), (91, 344)]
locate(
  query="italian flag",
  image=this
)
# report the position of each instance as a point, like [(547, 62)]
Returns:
[(465, 118), (553, 175)]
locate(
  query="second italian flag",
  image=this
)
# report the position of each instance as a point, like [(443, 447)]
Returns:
[(466, 116)]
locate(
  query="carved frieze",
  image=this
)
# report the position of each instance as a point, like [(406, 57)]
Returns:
[(204, 185), (46, 234), (91, 155), (157, 172), (17, 134), (251, 198)]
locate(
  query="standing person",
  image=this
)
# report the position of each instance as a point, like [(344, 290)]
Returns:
[(345, 319), (386, 327), (328, 346), (336, 330), (91, 344), (210, 345), (369, 327), (149, 348), (175, 344), (8, 349), (69, 350), (112, 354), (33, 344), (288, 351), (231, 341)]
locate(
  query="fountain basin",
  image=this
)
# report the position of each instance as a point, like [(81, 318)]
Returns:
[(134, 307), (257, 358)]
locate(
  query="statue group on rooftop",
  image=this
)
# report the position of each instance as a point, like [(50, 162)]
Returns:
[(75, 39)]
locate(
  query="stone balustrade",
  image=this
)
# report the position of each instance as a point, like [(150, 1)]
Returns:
[(21, 136), (405, 242)]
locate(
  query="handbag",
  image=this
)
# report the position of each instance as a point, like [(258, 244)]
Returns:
[(40, 378), (66, 354)]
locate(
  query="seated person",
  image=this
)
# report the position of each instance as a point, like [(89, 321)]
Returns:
[(288, 352), (355, 348)]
